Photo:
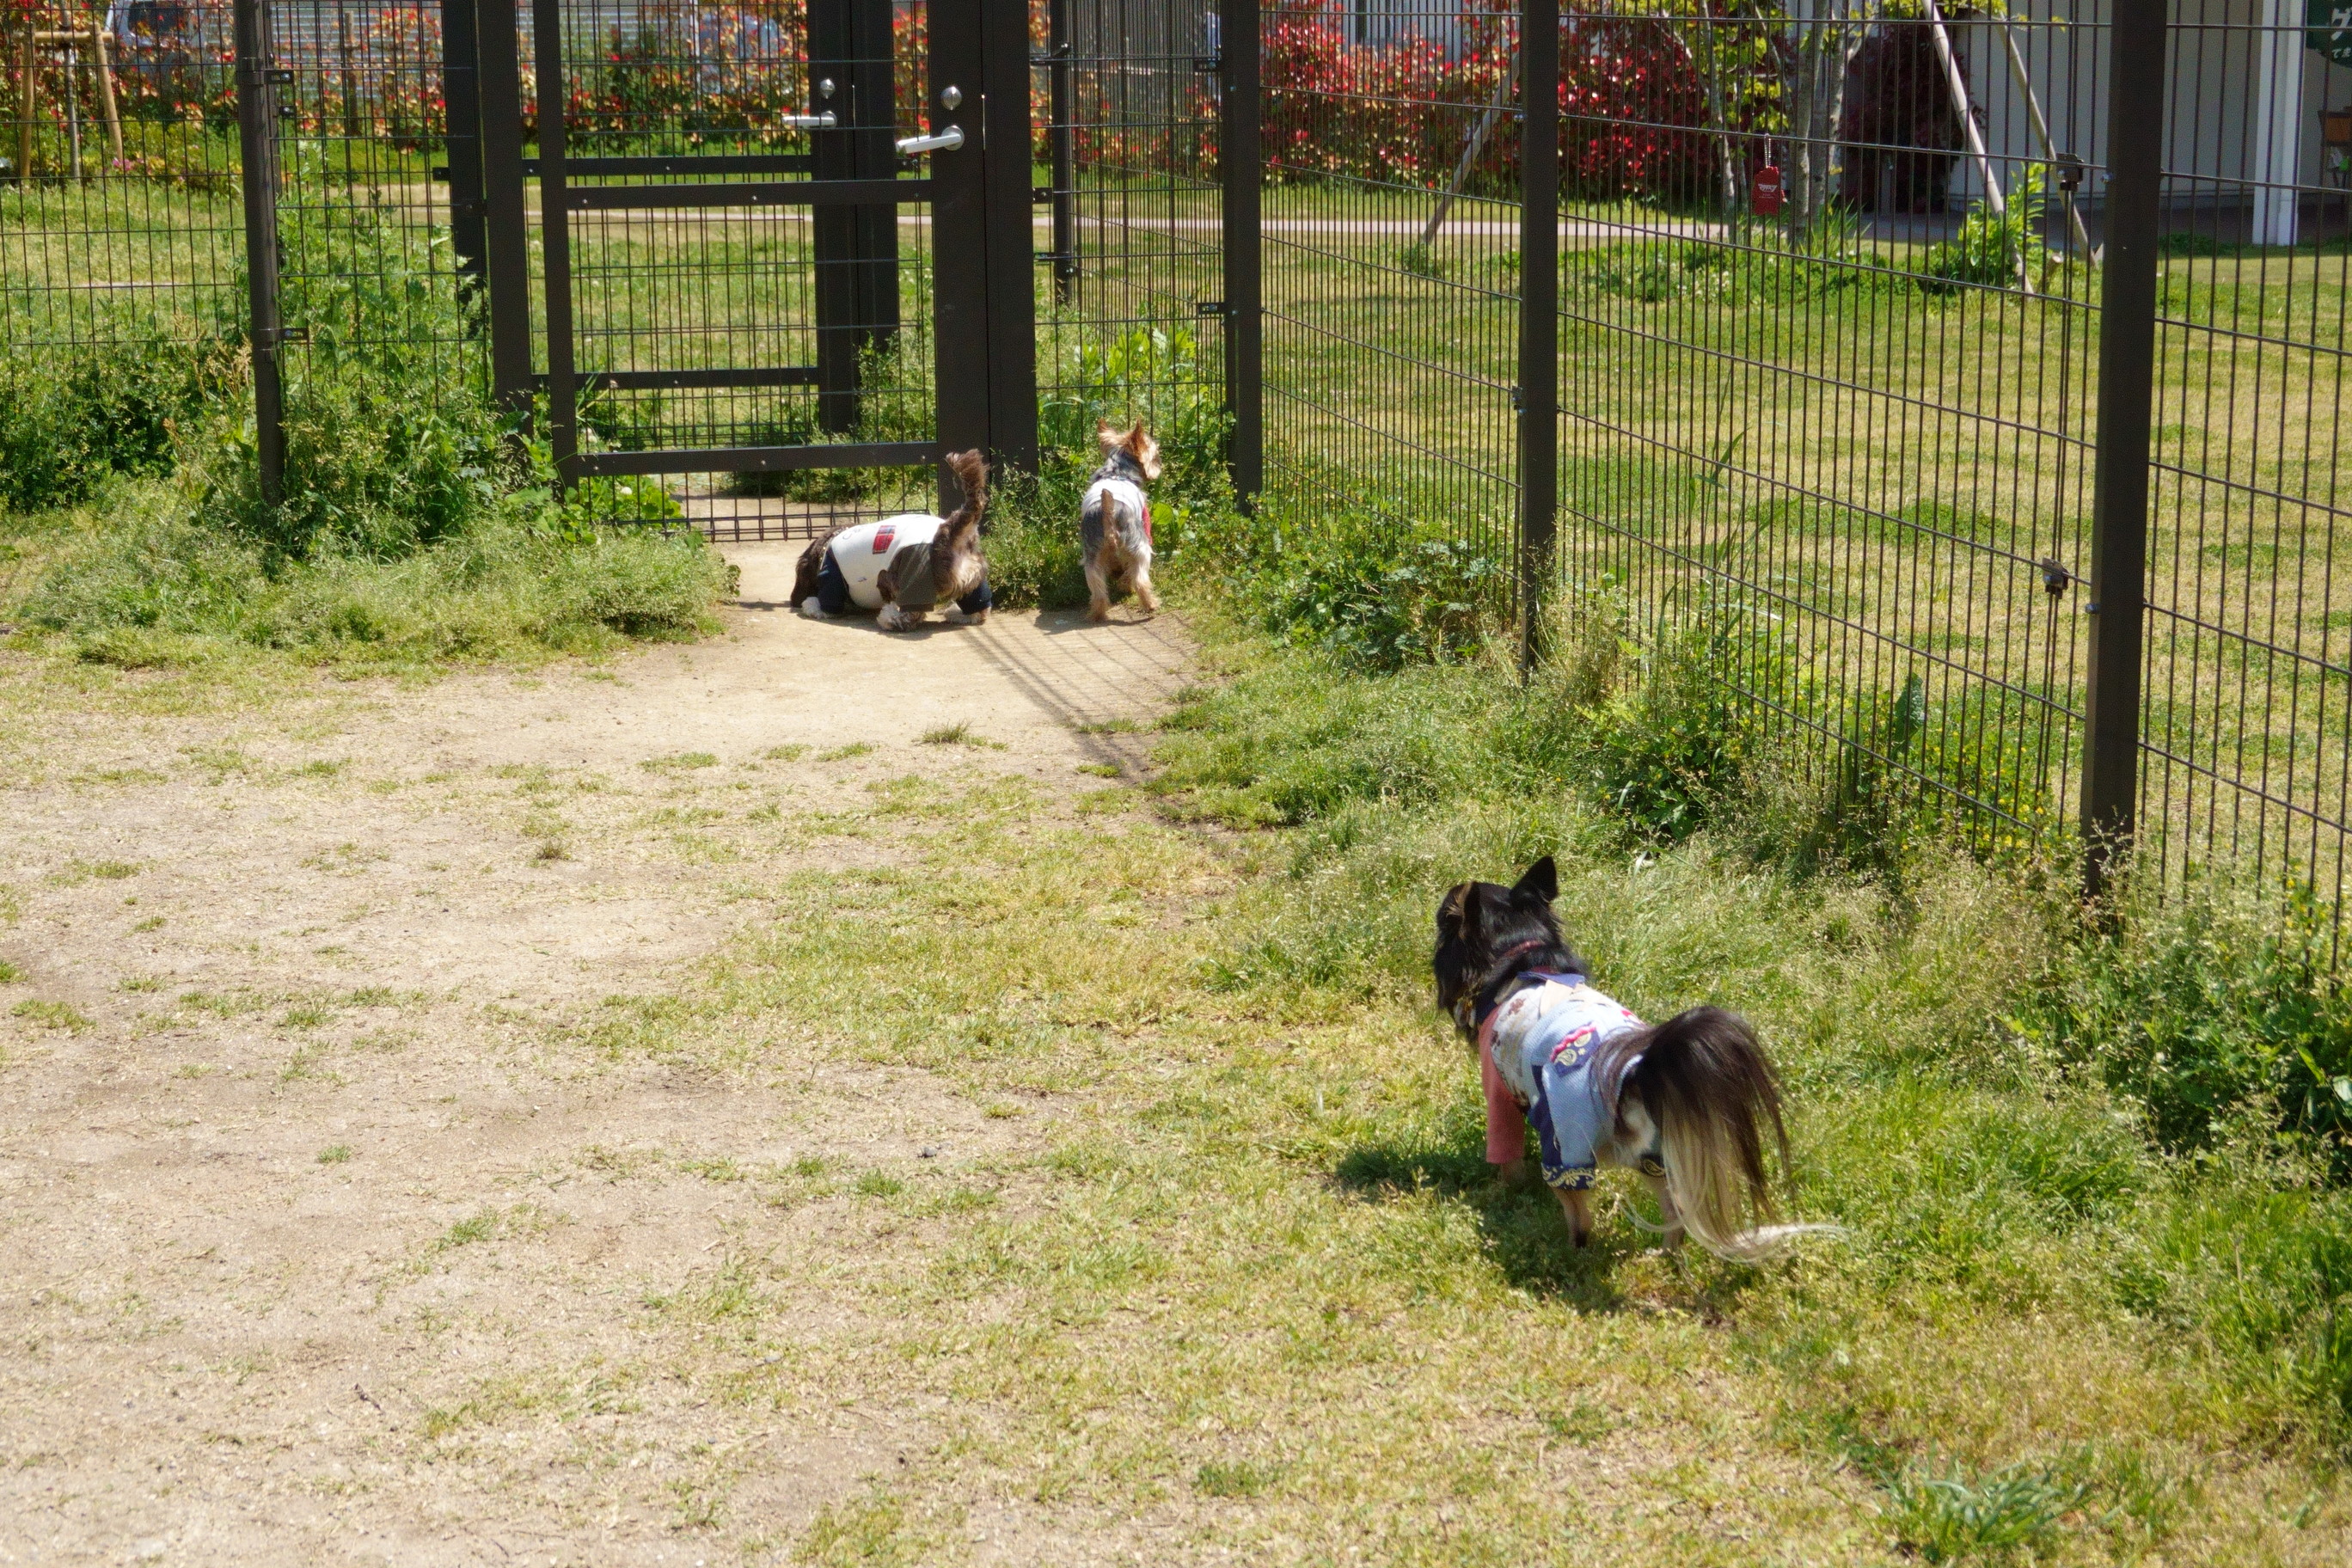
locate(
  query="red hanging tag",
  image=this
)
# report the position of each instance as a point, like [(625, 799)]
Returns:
[(1768, 191)]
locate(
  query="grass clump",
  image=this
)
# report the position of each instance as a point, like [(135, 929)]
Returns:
[(2219, 1011), (1358, 584), (417, 525), (958, 734), (52, 1014), (139, 578), (69, 425)]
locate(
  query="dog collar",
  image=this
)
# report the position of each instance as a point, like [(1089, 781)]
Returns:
[(1466, 1014)]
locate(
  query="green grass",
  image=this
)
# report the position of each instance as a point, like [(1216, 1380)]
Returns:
[(52, 1014), (134, 580), (1246, 1263)]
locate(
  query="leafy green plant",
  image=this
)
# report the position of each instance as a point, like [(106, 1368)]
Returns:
[(2216, 1010), (1650, 728), (1991, 248), (1951, 1517), (1154, 372), (113, 407), (1365, 585)]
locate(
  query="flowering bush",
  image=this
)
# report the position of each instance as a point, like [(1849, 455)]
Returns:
[(1631, 102)]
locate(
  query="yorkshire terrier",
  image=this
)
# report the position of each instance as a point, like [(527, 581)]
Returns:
[(1115, 519), (903, 566)]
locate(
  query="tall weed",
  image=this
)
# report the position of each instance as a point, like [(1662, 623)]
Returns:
[(2219, 1011), (113, 408), (1361, 584)]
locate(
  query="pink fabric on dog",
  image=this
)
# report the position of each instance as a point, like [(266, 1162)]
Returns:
[(1506, 1124)]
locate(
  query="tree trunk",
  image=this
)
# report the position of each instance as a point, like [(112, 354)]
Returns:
[(1825, 45)]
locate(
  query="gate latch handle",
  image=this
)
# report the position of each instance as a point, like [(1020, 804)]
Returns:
[(824, 121), (946, 140)]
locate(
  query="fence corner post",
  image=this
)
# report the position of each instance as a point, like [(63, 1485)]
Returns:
[(2119, 488), (1241, 169), (1538, 368), (258, 167)]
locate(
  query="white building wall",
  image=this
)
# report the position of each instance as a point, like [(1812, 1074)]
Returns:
[(2241, 108)]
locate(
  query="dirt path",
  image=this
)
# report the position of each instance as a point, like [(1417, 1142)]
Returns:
[(294, 1041)]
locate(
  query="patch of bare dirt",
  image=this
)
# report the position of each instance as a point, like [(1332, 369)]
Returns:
[(319, 1244)]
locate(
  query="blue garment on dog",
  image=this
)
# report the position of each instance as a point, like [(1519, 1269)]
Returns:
[(1542, 1039)]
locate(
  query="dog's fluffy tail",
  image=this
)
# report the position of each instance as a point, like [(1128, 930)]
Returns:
[(1706, 1081), (970, 471)]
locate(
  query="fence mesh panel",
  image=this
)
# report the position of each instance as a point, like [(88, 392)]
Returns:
[(1391, 224), (1829, 336), (119, 216), (1124, 99)]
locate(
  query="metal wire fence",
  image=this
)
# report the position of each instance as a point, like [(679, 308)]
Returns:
[(1126, 106), (1833, 295), (1390, 225), (119, 220), (1865, 334)]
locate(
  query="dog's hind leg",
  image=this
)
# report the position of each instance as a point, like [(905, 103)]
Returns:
[(1141, 578), (1098, 590)]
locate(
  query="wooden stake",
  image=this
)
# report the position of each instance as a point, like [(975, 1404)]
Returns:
[(101, 44), (1960, 87), (26, 100)]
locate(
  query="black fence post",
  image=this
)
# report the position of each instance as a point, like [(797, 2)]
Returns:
[(1063, 137), (462, 132), (555, 240), (1538, 393), (256, 127), (1241, 167), (2119, 487), (506, 231), (1006, 136)]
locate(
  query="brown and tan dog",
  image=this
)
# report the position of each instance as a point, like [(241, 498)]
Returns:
[(904, 566), (1115, 519)]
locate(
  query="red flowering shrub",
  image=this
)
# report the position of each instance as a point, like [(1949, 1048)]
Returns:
[(1627, 90), (1630, 101)]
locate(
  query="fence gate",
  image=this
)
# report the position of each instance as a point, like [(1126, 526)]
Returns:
[(777, 271)]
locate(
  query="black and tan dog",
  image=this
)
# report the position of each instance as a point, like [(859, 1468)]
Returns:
[(904, 566), (1115, 519), (1687, 1102)]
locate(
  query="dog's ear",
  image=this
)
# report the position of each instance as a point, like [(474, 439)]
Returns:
[(1136, 439), (1109, 434), (1450, 910), (1541, 883)]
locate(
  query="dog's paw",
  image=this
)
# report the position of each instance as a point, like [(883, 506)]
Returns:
[(813, 609), (894, 619), (954, 616)]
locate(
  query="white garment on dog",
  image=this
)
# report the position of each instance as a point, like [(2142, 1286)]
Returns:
[(1127, 493), (1543, 1039), (863, 551)]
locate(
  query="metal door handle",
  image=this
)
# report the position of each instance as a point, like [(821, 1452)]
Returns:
[(947, 141), (824, 121)]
